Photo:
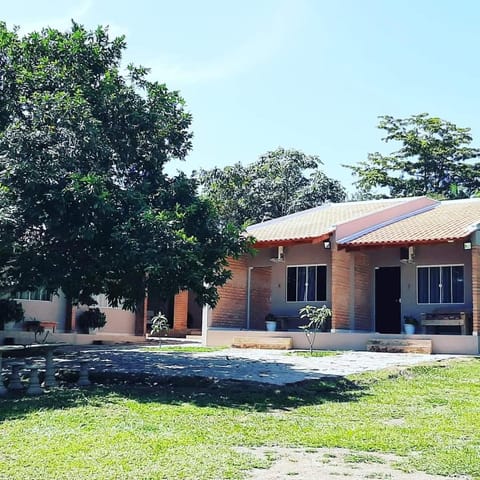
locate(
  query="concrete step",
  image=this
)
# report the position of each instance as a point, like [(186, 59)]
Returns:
[(273, 343), (194, 337), (400, 346)]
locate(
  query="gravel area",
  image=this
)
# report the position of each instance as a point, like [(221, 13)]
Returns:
[(265, 366)]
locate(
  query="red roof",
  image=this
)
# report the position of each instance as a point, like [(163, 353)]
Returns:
[(442, 221), (450, 220), (315, 223)]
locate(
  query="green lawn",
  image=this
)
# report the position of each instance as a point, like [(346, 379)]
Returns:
[(315, 353), (183, 349), (143, 428)]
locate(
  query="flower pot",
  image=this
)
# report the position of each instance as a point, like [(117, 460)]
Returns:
[(409, 328), (271, 326)]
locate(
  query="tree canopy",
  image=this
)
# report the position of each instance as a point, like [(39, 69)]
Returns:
[(434, 159), (85, 204), (280, 182)]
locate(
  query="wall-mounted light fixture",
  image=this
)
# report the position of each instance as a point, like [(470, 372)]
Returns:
[(327, 244), (467, 245)]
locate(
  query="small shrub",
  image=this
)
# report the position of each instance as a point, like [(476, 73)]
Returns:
[(409, 319), (91, 318), (320, 318), (10, 311), (270, 317), (159, 326)]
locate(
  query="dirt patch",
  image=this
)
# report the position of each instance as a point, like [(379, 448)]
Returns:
[(334, 463)]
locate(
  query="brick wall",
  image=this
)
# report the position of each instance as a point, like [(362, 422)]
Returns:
[(363, 292), (260, 302), (476, 288), (341, 291), (180, 312), (231, 309)]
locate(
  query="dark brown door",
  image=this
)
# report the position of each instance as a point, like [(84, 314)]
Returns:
[(387, 300)]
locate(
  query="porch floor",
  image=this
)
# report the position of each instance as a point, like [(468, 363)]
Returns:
[(445, 344)]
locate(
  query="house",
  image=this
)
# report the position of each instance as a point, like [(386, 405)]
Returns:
[(372, 262), (122, 325)]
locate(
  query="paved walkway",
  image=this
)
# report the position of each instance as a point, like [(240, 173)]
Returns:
[(266, 366)]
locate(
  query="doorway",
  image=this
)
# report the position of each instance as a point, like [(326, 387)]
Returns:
[(387, 300)]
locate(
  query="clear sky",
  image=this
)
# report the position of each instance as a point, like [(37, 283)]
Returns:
[(307, 74)]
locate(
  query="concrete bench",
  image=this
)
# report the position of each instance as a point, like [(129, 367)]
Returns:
[(31, 326), (399, 346), (273, 343), (440, 319)]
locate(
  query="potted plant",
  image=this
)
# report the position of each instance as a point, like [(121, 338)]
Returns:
[(270, 322), (409, 324), (91, 319), (10, 312)]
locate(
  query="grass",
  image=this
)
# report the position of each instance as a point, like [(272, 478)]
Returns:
[(190, 428), (182, 349), (315, 353)]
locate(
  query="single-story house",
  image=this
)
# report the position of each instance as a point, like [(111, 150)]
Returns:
[(374, 263), (184, 313)]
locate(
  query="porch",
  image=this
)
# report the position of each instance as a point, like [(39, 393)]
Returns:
[(441, 344)]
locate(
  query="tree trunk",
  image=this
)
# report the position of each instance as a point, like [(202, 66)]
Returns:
[(68, 314), (141, 316)]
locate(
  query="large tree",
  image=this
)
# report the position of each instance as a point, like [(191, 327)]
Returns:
[(280, 182), (434, 158), (85, 204)]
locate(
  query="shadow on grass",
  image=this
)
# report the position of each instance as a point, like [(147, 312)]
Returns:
[(198, 391)]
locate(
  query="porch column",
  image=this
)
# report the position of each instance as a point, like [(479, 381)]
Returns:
[(260, 298), (180, 312), (363, 291), (231, 309), (342, 292), (476, 288)]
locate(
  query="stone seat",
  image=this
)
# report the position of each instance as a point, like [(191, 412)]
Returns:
[(273, 343), (394, 345)]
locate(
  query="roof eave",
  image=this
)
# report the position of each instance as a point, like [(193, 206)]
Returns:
[(402, 243), (291, 241)]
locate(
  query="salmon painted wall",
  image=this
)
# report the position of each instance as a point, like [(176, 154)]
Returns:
[(46, 311)]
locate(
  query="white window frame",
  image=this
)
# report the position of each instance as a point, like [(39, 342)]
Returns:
[(102, 302), (30, 294), (306, 282), (440, 286)]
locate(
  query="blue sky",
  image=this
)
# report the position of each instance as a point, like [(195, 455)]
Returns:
[(307, 74)]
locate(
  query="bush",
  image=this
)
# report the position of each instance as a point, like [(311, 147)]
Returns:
[(90, 319), (10, 311)]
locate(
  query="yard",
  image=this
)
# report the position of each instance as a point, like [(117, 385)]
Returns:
[(426, 418)]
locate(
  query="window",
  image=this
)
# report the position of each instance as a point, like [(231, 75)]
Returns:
[(307, 283), (442, 284), (102, 302), (38, 294)]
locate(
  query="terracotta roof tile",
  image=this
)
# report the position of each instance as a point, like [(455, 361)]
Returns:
[(450, 220), (316, 222)]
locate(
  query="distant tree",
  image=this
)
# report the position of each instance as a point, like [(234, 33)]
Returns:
[(280, 182), (434, 159), (85, 204)]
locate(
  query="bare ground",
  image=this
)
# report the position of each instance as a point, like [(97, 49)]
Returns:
[(333, 463)]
